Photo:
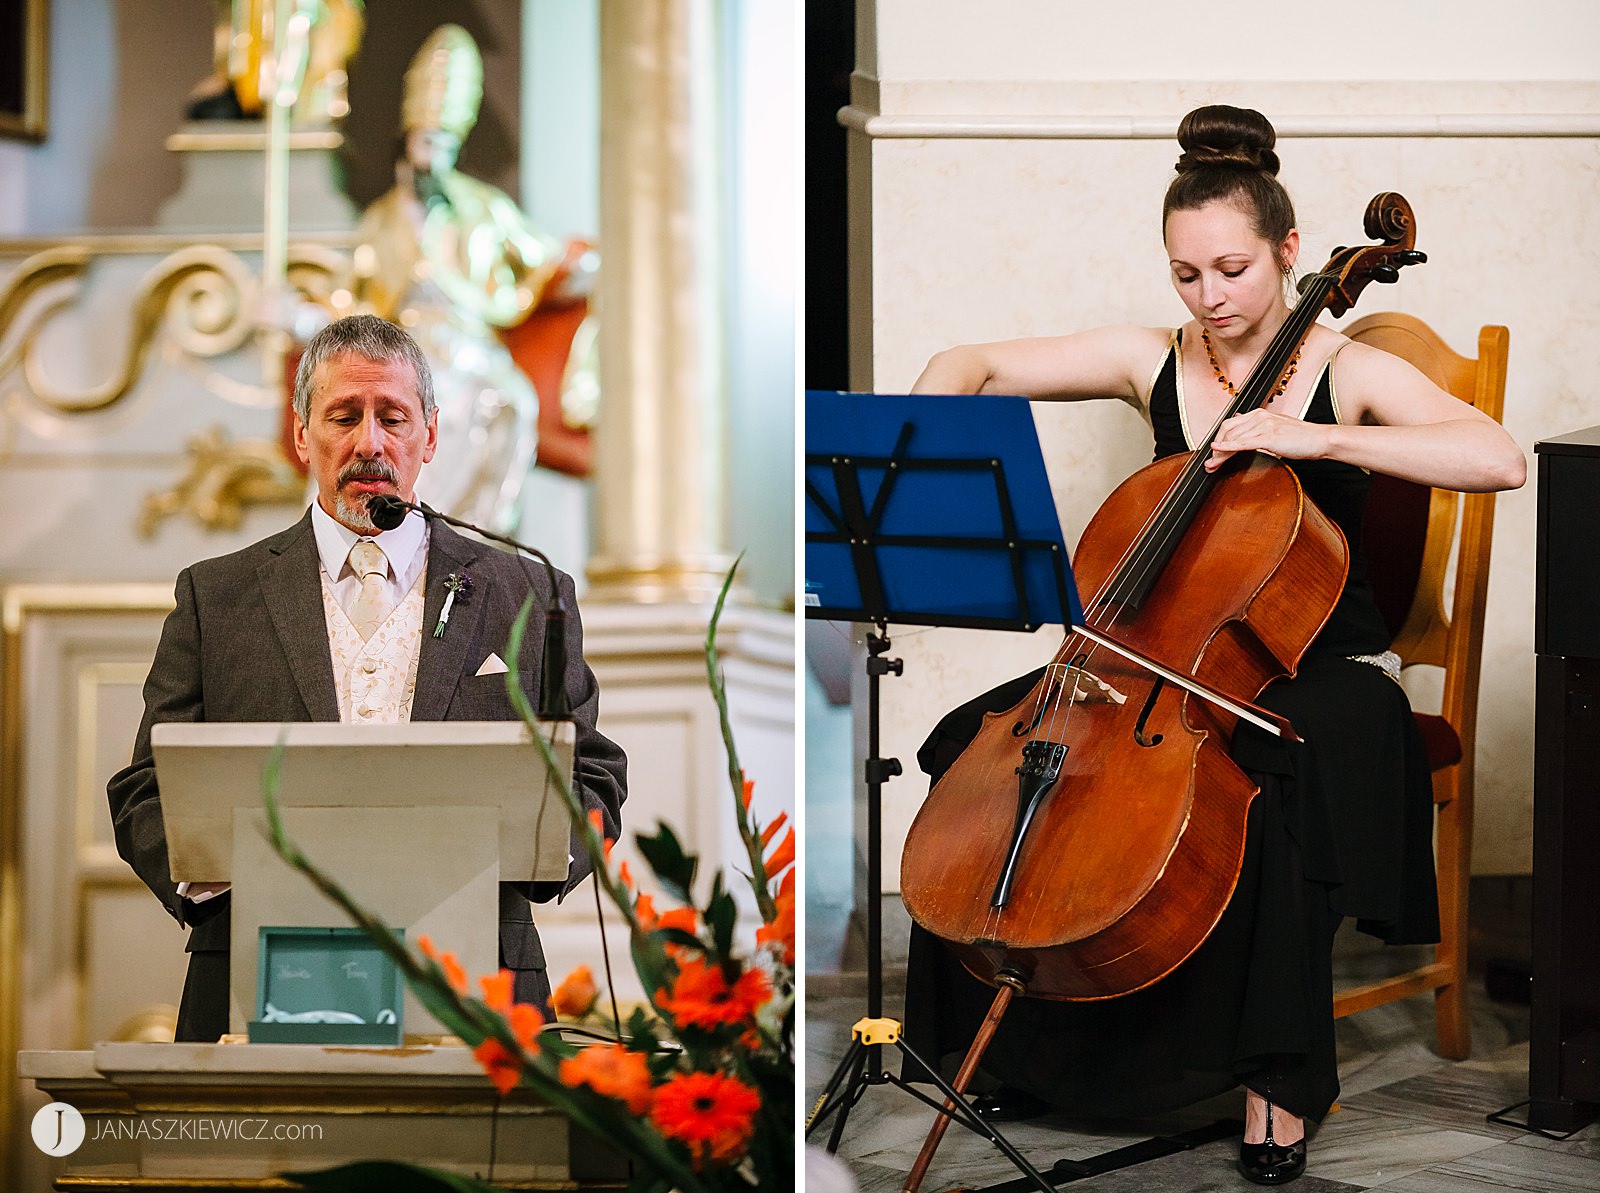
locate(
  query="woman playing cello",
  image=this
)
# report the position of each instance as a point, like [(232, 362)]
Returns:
[(1342, 825)]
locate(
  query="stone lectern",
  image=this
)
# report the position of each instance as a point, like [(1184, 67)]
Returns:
[(418, 822)]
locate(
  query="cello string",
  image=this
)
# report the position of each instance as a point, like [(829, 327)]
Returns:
[(1165, 522), (1172, 513), (1192, 478)]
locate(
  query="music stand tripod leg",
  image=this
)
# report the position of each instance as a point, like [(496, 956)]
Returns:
[(852, 1063)]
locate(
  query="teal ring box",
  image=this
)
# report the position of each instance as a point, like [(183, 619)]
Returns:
[(325, 986)]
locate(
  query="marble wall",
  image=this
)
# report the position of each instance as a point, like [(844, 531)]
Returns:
[(999, 189)]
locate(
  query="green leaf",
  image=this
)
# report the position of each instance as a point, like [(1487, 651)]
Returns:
[(721, 914), (679, 937), (672, 866), (719, 693), (387, 1176), (649, 961)]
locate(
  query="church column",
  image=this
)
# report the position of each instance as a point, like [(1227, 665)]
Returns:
[(660, 472), (660, 479)]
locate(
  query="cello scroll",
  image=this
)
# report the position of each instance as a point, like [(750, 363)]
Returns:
[(1388, 219)]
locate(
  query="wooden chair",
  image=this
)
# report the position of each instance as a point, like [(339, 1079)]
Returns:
[(1408, 537)]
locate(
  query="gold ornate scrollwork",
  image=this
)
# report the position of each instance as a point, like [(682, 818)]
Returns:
[(38, 271), (223, 478), (216, 314), (313, 269), (205, 295), (210, 305), (206, 300)]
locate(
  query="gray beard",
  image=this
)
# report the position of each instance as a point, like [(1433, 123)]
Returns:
[(353, 514)]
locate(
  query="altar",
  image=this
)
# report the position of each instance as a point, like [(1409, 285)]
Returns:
[(158, 1117)]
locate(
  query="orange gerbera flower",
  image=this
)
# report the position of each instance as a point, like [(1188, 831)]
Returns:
[(702, 997), (612, 1072), (712, 1114), (576, 995)]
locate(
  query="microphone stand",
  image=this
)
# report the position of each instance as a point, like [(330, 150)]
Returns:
[(387, 512)]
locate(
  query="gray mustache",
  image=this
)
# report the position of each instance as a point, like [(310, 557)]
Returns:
[(368, 470)]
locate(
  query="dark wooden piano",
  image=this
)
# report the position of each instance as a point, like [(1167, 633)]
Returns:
[(1564, 1053)]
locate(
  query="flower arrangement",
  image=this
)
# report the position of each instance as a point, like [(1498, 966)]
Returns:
[(698, 1090)]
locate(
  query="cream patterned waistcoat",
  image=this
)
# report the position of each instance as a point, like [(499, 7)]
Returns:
[(375, 679)]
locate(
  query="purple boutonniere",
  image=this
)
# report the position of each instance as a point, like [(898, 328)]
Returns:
[(455, 584)]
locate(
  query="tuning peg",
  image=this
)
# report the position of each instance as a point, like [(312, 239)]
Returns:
[(1411, 257), (1385, 274)]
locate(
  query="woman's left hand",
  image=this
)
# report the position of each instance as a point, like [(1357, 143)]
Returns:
[(1263, 431)]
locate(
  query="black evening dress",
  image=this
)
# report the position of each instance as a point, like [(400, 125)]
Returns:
[(1342, 827)]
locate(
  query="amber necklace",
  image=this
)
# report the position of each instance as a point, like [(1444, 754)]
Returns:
[(1283, 382)]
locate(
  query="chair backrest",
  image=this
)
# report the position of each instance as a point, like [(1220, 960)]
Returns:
[(1410, 528)]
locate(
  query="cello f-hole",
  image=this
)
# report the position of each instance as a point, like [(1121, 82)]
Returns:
[(1023, 728), (1139, 734)]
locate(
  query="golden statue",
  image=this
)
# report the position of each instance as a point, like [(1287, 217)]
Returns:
[(242, 42), (451, 259)]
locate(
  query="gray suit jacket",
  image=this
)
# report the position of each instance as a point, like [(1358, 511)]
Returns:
[(247, 642)]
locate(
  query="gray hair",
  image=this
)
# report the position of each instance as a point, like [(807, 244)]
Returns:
[(365, 335)]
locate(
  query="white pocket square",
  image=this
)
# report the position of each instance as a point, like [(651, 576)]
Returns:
[(493, 665)]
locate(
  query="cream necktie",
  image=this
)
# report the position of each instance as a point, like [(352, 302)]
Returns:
[(371, 607)]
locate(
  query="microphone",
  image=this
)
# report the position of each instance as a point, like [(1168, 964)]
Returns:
[(387, 511)]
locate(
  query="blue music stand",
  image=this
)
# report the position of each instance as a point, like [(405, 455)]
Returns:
[(931, 511), (923, 510)]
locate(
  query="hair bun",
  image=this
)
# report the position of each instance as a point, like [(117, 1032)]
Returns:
[(1221, 135)]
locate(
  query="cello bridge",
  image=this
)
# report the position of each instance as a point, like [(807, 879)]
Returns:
[(1089, 688)]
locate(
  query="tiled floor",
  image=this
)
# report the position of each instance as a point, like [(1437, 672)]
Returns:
[(1408, 1121)]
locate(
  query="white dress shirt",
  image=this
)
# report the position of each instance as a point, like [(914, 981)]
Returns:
[(405, 547)]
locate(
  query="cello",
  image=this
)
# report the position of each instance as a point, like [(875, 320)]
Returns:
[(1088, 839)]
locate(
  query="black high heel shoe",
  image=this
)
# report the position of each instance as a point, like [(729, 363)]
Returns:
[(1269, 1162), (1009, 1105)]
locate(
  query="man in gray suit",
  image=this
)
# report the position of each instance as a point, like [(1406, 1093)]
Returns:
[(252, 637)]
